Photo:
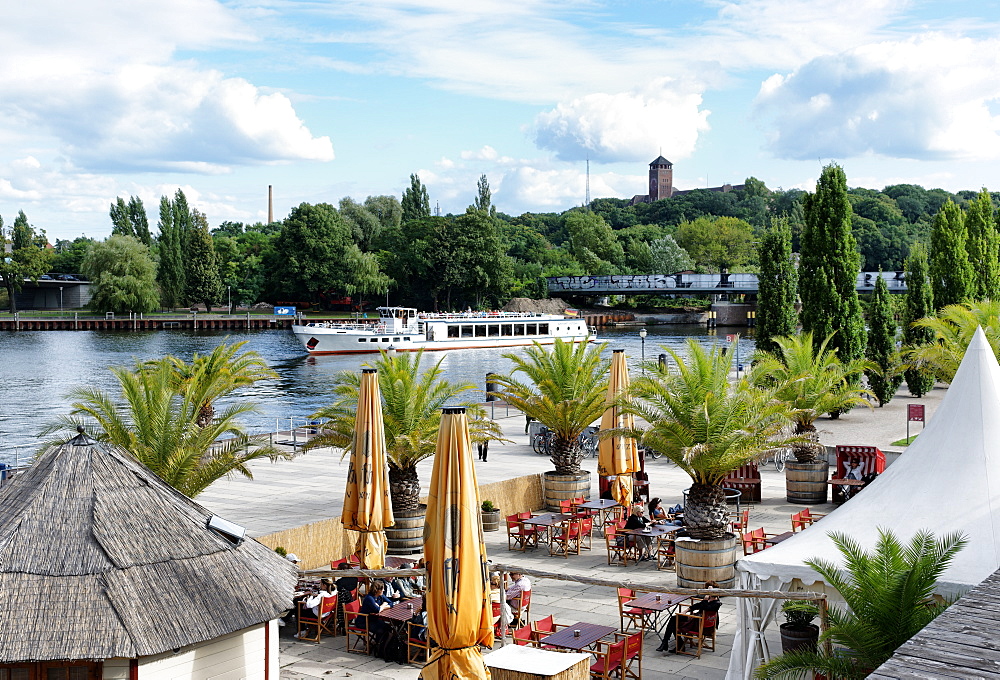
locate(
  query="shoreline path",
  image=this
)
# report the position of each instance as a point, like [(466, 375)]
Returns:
[(311, 486)]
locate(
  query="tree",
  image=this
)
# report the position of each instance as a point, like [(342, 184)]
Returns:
[(828, 269), (777, 285), (484, 199), (707, 426), (983, 247), (28, 259), (919, 304), (812, 381), (120, 223), (203, 282), (170, 272), (308, 256), (468, 264), (366, 275), (667, 257), (412, 399), (565, 391), (889, 597), (885, 377), (593, 243), (70, 255), (720, 243), (130, 219), (122, 275), (416, 204), (950, 270), (951, 332), (155, 418)]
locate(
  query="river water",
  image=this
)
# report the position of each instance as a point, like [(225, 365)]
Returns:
[(39, 368)]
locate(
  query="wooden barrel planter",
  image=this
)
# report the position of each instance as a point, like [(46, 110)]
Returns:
[(700, 560), (407, 536), (558, 488), (490, 520), (805, 483)]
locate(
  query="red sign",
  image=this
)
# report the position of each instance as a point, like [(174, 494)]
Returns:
[(915, 412), (730, 338)]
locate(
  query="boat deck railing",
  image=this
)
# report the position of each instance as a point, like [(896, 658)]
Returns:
[(478, 315)]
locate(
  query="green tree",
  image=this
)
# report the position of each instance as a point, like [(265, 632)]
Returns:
[(122, 276), (950, 269), (885, 377), (120, 223), (707, 426), (366, 276), (777, 285), (308, 255), (155, 418), (919, 304), (28, 259), (951, 332), (468, 262), (484, 198), (983, 247), (828, 269), (667, 257), (129, 219), (412, 399), (593, 243), (170, 271), (812, 381), (203, 281), (720, 243), (889, 597), (70, 255), (565, 391), (416, 204)]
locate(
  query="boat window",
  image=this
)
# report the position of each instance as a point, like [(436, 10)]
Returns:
[(362, 339), (506, 330), (466, 331), (543, 329), (480, 330), (385, 339), (519, 329), (494, 330), (406, 338), (452, 331), (395, 339), (531, 329)]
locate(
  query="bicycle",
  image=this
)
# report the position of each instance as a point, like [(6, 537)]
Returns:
[(588, 444), (778, 458), (650, 453), (541, 442)]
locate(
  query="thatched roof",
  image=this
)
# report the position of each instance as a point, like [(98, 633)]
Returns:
[(100, 559)]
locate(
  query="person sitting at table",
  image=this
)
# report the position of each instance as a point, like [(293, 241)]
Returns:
[(519, 584), (375, 601), (314, 601), (495, 596), (657, 515), (637, 521), (709, 606)]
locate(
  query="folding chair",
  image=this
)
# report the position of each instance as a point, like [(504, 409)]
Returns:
[(696, 629), (632, 617), (521, 609), (417, 650), (616, 547), (742, 521), (610, 660), (543, 627), (519, 537), (522, 636), (357, 626), (566, 540), (587, 532), (632, 663), (325, 621)]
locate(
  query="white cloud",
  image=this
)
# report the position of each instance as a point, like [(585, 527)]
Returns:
[(628, 126), (926, 98)]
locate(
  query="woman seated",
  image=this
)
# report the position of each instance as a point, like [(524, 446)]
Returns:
[(637, 521), (375, 601), (708, 606), (657, 515), (496, 596), (314, 601)]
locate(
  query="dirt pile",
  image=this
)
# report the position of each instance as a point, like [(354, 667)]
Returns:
[(551, 306)]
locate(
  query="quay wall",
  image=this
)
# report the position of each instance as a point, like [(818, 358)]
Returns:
[(151, 324)]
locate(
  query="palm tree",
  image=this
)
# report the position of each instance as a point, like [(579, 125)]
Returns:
[(565, 392), (412, 400), (707, 425), (953, 330), (812, 381), (889, 593), (160, 423)]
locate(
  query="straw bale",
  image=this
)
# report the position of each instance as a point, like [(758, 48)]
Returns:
[(100, 559)]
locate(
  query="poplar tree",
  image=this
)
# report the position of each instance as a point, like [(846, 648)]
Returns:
[(919, 304), (829, 267), (170, 270), (881, 348), (202, 271), (778, 281), (416, 203), (983, 247), (949, 266)]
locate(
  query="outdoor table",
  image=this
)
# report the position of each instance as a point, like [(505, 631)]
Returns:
[(398, 614), (566, 638), (775, 540), (657, 531), (853, 487), (547, 521), (395, 562), (515, 662), (666, 603), (603, 508)]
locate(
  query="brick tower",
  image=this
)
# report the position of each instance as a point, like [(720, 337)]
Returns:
[(661, 179)]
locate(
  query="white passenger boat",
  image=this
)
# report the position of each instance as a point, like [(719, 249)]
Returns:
[(404, 329)]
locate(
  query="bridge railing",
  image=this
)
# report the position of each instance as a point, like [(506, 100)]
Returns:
[(681, 283)]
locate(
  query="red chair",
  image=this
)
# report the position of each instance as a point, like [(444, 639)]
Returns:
[(636, 618), (351, 559), (522, 636), (521, 607), (325, 621), (417, 650), (742, 521), (807, 514), (697, 629), (497, 614), (543, 627), (518, 536), (632, 663), (610, 660), (566, 540), (356, 625), (617, 553), (587, 532)]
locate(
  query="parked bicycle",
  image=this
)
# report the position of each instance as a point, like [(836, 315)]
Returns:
[(778, 458), (541, 441)]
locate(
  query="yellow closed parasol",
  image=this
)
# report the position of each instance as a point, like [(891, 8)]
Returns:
[(618, 455), (459, 613), (367, 505)]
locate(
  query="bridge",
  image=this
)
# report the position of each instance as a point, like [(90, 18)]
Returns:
[(684, 283)]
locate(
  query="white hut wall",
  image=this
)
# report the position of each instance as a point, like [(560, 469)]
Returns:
[(239, 655)]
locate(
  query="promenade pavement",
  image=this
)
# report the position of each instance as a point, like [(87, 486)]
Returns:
[(310, 487)]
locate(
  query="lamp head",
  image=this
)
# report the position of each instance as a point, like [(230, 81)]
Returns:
[(642, 333)]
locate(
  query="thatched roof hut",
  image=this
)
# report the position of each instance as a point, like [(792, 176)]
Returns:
[(100, 559)]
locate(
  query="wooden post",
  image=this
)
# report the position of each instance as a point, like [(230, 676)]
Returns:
[(824, 624)]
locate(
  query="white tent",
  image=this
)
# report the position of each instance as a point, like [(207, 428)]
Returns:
[(948, 480)]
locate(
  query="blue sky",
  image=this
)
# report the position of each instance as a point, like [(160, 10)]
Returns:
[(100, 98)]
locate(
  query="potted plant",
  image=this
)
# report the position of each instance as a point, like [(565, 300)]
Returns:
[(490, 516), (798, 631)]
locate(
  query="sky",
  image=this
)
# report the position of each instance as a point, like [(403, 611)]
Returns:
[(327, 99)]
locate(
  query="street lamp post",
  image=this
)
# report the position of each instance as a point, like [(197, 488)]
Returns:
[(229, 294), (642, 336), (60, 301)]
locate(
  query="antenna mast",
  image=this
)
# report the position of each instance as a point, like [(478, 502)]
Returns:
[(588, 181)]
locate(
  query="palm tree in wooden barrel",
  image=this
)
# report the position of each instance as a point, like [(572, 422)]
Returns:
[(565, 391), (412, 399), (708, 425), (813, 381)]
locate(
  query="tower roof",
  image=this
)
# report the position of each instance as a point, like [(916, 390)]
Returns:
[(100, 559), (660, 160)]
